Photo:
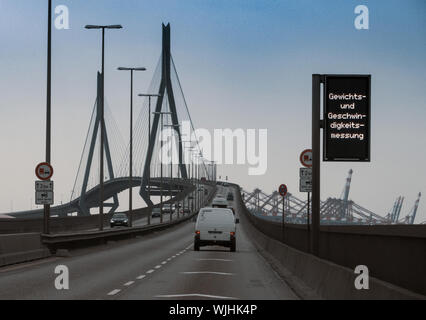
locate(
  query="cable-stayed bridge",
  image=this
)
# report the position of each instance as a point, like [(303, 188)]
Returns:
[(153, 177)]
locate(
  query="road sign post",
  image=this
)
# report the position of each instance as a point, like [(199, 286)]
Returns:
[(305, 184), (346, 125), (44, 191), (283, 217), (282, 190)]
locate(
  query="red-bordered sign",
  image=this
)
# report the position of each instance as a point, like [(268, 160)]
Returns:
[(306, 158), (282, 190), (44, 171)]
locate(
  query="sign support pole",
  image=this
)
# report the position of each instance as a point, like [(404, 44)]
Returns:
[(308, 221), (283, 218), (316, 134), (46, 224)]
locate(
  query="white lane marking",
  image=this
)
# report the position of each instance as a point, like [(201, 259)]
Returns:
[(177, 254), (129, 283), (114, 292), (209, 272), (225, 260), (169, 259), (141, 277), (193, 295), (164, 262), (188, 246), (150, 271), (158, 267)]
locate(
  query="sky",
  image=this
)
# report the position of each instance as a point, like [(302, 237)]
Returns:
[(242, 64)]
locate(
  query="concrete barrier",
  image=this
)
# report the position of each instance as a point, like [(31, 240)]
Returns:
[(75, 223), (16, 248), (22, 247), (327, 279), (75, 240)]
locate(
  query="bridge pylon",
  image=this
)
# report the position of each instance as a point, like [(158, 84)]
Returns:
[(165, 88), (83, 207)]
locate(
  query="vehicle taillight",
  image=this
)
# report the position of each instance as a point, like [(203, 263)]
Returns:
[(197, 232), (232, 233)]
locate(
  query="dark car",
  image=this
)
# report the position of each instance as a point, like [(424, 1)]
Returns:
[(119, 219), (186, 209), (156, 212), (230, 197), (168, 208)]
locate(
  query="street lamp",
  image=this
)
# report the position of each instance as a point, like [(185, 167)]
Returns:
[(196, 182), (200, 176), (101, 160), (190, 175), (161, 162), (149, 95), (46, 214), (171, 162), (211, 171), (190, 149), (131, 139)]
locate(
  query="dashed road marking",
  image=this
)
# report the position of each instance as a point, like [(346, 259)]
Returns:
[(114, 292), (209, 272), (225, 260)]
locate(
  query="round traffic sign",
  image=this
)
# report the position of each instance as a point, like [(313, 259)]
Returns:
[(306, 158), (44, 171), (282, 190)]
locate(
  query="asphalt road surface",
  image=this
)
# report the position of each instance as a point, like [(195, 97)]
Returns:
[(161, 265)]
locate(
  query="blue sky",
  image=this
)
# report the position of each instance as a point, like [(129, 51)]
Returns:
[(242, 64)]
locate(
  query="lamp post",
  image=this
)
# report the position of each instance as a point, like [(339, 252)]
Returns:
[(196, 172), (101, 155), (46, 215), (200, 174), (131, 139), (212, 170), (186, 168), (149, 95), (194, 178), (190, 172), (173, 126), (161, 162)]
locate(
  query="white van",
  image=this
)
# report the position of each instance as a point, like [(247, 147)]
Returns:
[(219, 203), (215, 226)]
